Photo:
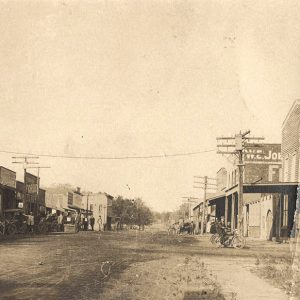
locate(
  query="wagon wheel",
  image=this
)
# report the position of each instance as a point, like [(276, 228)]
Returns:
[(11, 229)]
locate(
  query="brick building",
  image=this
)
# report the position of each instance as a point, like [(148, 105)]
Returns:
[(291, 165), (291, 144), (262, 167), (270, 184), (221, 179)]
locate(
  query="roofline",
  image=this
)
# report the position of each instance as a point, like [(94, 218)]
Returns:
[(8, 169), (271, 184), (296, 102), (231, 187), (221, 169), (221, 195), (99, 193)]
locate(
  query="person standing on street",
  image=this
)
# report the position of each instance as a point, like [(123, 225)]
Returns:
[(60, 221), (85, 223), (30, 222), (99, 221), (92, 222), (208, 224), (77, 222)]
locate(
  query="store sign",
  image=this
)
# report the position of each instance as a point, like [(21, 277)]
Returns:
[(266, 152), (70, 198), (7, 177), (31, 183), (77, 200)]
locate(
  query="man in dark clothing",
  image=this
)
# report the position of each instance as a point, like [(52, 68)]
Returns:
[(77, 222), (85, 224), (92, 222)]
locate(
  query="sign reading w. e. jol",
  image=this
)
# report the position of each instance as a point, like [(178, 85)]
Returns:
[(265, 152), (7, 177)]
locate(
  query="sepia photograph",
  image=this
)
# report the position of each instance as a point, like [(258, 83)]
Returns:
[(149, 150)]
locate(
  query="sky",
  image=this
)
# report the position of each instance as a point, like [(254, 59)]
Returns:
[(126, 78)]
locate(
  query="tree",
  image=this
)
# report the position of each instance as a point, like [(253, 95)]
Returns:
[(144, 215), (124, 210), (131, 212)]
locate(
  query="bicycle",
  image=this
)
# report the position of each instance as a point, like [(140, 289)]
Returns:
[(227, 238)]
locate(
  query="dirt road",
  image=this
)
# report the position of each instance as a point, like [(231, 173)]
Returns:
[(132, 265)]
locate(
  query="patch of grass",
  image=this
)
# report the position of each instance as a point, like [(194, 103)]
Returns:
[(279, 272)]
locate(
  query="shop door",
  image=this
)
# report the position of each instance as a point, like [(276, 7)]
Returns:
[(269, 226)]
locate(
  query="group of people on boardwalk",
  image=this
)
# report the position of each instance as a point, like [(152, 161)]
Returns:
[(17, 222), (83, 222)]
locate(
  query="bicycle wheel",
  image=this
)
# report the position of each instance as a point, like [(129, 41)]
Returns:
[(218, 241), (42, 228), (213, 238), (11, 229), (238, 242), (23, 229), (2, 229)]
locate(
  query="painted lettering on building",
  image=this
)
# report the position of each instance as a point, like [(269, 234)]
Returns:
[(31, 183), (265, 152)]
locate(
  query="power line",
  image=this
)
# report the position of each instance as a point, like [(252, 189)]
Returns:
[(110, 157)]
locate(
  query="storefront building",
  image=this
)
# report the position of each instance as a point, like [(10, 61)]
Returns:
[(269, 210), (215, 210), (32, 202), (291, 158), (64, 199), (262, 165), (7, 189), (100, 205), (271, 177), (291, 144)]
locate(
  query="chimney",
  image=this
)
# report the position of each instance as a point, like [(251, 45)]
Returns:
[(78, 190)]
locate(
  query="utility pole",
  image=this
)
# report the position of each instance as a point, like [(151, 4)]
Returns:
[(38, 184), (238, 144), (87, 204), (25, 160), (206, 183)]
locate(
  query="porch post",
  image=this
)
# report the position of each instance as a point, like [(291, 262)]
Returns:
[(233, 212), (226, 210), (197, 212)]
